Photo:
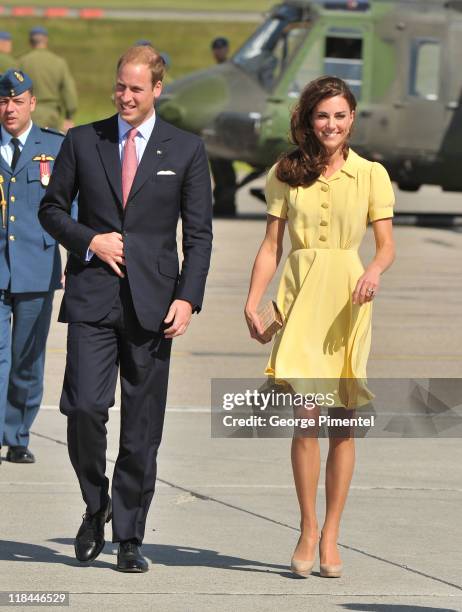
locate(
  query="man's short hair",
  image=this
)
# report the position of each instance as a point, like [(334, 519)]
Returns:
[(147, 56), (219, 43)]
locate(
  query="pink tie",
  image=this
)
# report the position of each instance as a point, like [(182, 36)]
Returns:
[(129, 164)]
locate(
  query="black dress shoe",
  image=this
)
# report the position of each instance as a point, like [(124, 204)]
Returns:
[(89, 541), (130, 559), (19, 454)]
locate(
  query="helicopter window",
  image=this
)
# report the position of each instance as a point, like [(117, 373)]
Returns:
[(344, 59), (310, 69), (425, 69), (269, 51)]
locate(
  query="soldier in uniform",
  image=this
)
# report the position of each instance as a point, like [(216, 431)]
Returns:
[(30, 264), (54, 86), (6, 59), (220, 49), (224, 176)]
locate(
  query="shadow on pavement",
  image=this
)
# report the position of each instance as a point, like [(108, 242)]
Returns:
[(158, 554)]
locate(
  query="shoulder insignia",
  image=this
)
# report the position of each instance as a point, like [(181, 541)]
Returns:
[(48, 130)]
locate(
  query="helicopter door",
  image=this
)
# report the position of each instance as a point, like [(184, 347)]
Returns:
[(420, 112)]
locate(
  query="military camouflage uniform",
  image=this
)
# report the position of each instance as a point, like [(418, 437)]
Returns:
[(54, 87), (6, 62)]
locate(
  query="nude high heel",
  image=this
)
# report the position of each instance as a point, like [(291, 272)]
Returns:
[(328, 570), (302, 567), (331, 571)]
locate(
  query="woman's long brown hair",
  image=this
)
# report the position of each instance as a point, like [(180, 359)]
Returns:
[(302, 166)]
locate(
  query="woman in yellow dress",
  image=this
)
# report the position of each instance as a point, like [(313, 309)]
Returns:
[(327, 194)]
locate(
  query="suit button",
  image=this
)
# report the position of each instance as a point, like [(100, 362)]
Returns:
[(12, 238), (12, 218), (322, 238), (325, 188), (323, 223), (13, 199), (325, 205), (13, 179)]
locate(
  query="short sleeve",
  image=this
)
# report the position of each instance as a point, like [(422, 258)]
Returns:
[(382, 197), (276, 194)]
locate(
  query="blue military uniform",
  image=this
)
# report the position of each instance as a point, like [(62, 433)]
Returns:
[(30, 271)]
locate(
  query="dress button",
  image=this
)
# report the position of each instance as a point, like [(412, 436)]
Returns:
[(322, 238), (323, 223), (12, 238), (325, 188), (12, 218), (325, 205), (13, 199), (13, 179)]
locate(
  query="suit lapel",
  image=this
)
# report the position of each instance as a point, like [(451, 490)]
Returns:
[(152, 156), (108, 148), (4, 167), (29, 150)]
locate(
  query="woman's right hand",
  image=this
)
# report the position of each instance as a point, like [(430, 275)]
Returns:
[(254, 325)]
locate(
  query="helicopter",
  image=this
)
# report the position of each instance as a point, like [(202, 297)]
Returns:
[(400, 59)]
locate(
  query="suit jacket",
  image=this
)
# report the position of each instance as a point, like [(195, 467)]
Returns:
[(29, 256), (89, 163)]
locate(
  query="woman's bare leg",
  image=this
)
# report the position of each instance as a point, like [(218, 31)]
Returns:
[(306, 462), (339, 472)]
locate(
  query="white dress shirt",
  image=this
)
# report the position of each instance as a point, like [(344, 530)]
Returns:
[(141, 140), (6, 148)]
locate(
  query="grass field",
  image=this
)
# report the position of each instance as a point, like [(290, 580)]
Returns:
[(192, 5), (93, 47)]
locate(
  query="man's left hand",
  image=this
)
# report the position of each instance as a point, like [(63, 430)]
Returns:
[(179, 315)]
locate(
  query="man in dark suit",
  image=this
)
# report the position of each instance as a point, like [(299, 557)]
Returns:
[(125, 298)]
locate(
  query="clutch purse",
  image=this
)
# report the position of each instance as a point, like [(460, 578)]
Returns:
[(271, 319)]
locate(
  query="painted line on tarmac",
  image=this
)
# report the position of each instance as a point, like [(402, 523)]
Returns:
[(377, 357), (207, 410), (183, 409), (405, 596), (32, 483), (273, 521)]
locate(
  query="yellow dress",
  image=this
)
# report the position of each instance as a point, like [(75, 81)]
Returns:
[(325, 335)]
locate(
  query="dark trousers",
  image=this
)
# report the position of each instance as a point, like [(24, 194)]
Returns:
[(224, 191), (94, 353), (24, 325)]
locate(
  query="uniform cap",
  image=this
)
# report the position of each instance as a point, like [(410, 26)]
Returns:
[(219, 43), (38, 30), (14, 83), (166, 58), (5, 35), (143, 42)]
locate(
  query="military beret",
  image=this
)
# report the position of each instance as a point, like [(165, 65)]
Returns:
[(14, 83), (219, 43), (5, 36), (38, 30)]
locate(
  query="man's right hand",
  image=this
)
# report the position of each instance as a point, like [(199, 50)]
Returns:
[(110, 249)]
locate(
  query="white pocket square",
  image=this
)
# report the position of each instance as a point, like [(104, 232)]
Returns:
[(166, 172)]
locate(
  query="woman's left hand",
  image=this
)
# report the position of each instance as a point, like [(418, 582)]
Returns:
[(367, 286)]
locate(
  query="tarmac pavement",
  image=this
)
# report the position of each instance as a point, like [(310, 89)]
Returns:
[(223, 523)]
